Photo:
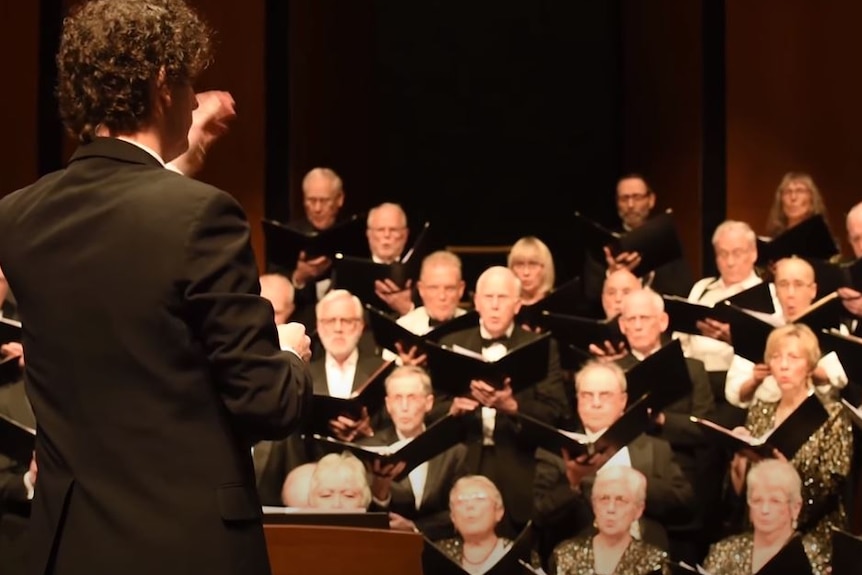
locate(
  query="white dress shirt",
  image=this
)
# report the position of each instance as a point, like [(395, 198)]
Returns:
[(414, 321), (491, 353), (716, 355), (339, 377)]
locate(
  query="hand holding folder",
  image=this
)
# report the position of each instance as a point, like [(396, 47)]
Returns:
[(581, 332), (623, 431), (284, 242), (358, 275), (437, 438), (662, 377), (656, 241), (454, 368), (369, 397), (388, 332), (787, 438)]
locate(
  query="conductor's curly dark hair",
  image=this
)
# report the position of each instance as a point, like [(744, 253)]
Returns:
[(111, 53)]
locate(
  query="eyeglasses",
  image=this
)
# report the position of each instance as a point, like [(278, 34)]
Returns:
[(618, 500), (590, 396), (735, 254), (774, 501), (382, 231), (632, 197), (635, 318), (788, 192), (785, 285), (345, 321), (464, 498)]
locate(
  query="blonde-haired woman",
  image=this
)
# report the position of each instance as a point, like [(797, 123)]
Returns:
[(823, 462), (618, 497), (774, 498), (532, 262)]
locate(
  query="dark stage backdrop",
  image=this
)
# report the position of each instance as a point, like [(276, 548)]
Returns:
[(498, 119)]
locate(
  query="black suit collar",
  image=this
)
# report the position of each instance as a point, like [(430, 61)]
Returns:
[(114, 149)]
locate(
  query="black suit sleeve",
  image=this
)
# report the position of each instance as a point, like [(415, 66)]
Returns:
[(679, 430), (670, 496), (558, 508), (265, 389), (546, 400)]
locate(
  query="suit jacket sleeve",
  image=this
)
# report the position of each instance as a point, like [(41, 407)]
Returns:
[(555, 503), (12, 487), (546, 400), (670, 496), (679, 429), (265, 389)]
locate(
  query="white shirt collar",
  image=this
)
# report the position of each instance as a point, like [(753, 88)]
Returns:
[(351, 360), (640, 356), (484, 332), (145, 148)]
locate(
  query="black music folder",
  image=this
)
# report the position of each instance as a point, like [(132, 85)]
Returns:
[(656, 241), (387, 331), (357, 275), (335, 518), (437, 438), (10, 330), (790, 559), (748, 333), (756, 298), (623, 431), (582, 331), (284, 242), (436, 562), (846, 551), (568, 298), (824, 313), (663, 377), (17, 441), (808, 239), (684, 314), (848, 348), (831, 276), (572, 358), (453, 368), (370, 395), (786, 438)]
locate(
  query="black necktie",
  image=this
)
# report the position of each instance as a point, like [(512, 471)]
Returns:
[(488, 342), (432, 323)]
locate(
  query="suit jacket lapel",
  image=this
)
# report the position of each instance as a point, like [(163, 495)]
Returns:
[(318, 377), (640, 454), (433, 477), (364, 369)]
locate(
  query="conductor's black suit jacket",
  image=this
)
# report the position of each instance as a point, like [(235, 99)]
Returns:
[(152, 366)]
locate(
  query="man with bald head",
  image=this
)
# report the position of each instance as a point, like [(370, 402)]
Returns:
[(796, 289), (387, 234), (502, 454), (280, 292)]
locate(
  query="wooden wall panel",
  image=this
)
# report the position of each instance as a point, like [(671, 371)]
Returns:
[(19, 45), (793, 90)]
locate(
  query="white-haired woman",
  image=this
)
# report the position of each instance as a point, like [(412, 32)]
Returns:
[(476, 507), (339, 481), (617, 497), (774, 502)]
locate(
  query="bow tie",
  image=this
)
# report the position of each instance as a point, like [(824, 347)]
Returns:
[(488, 342), (432, 323)]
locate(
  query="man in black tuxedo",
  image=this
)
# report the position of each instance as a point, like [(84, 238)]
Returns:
[(420, 501), (503, 455), (150, 390)]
